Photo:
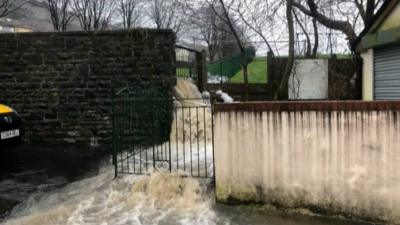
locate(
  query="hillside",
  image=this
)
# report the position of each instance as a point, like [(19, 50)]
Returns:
[(257, 71)]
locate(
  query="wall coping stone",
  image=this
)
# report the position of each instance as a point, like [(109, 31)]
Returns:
[(297, 106)]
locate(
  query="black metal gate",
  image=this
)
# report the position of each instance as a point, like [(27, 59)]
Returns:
[(151, 134)]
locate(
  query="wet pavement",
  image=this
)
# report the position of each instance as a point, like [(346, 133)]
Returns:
[(258, 215)]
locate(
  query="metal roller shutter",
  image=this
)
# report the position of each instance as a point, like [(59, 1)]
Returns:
[(387, 73)]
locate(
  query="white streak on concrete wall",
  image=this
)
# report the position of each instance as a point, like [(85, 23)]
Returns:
[(309, 79), (343, 162), (368, 75)]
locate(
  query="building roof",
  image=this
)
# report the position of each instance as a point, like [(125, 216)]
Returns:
[(13, 23), (373, 24), (35, 17)]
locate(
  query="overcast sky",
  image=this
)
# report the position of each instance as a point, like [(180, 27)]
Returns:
[(330, 40), (277, 33)]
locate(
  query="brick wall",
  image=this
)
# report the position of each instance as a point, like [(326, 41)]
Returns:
[(62, 83)]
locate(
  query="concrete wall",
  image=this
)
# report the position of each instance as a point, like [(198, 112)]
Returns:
[(309, 79), (368, 75), (62, 83), (336, 158)]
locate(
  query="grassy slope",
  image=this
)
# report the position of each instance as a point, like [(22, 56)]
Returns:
[(257, 71)]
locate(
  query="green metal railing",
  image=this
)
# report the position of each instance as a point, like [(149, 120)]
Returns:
[(186, 63), (187, 71), (140, 119), (146, 137)]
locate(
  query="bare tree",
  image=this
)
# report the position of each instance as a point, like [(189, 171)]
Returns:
[(9, 6), (295, 82), (289, 65), (5, 7), (130, 13), (307, 52), (59, 13), (222, 10), (316, 38), (209, 27), (166, 14), (340, 15), (317, 11), (366, 8), (93, 14), (256, 15)]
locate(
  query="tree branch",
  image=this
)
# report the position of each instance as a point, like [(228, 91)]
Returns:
[(343, 26)]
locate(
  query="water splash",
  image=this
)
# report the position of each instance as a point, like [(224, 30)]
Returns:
[(160, 198), (186, 89)]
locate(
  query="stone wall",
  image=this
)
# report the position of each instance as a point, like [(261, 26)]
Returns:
[(334, 158), (62, 83)]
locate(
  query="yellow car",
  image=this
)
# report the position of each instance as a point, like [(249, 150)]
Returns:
[(11, 127)]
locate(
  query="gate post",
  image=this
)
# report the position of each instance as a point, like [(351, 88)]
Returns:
[(201, 63), (114, 135)]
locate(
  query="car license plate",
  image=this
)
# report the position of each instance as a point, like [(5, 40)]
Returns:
[(9, 134)]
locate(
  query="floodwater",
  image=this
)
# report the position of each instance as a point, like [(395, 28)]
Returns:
[(28, 171), (51, 187), (42, 190)]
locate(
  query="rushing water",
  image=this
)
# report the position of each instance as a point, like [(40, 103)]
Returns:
[(160, 198)]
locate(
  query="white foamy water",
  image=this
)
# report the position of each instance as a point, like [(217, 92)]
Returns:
[(190, 148), (161, 198)]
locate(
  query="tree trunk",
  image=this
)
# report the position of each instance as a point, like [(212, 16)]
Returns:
[(308, 48), (245, 74), (316, 38), (370, 11), (238, 41), (289, 64), (244, 68), (343, 26)]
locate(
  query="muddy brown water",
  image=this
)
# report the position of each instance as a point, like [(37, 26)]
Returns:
[(32, 170), (63, 186)]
